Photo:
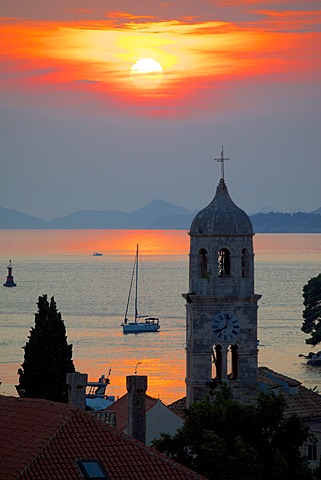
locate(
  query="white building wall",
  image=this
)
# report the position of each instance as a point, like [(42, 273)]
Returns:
[(160, 419)]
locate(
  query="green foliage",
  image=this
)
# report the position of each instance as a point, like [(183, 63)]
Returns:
[(48, 357), (223, 439), (312, 311)]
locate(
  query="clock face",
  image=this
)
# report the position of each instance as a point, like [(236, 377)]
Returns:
[(225, 326)]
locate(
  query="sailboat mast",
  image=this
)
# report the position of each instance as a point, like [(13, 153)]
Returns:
[(136, 287), (130, 291)]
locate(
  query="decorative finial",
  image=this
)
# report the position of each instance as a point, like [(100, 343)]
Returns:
[(222, 160)]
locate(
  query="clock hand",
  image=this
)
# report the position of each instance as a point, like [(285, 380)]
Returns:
[(223, 328)]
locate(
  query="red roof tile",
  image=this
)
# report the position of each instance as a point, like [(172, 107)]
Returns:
[(178, 407), (43, 440), (305, 403)]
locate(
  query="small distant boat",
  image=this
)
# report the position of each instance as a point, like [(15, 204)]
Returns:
[(96, 398), (97, 254), (9, 282), (98, 389), (141, 323)]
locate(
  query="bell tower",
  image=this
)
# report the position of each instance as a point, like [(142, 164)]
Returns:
[(221, 306)]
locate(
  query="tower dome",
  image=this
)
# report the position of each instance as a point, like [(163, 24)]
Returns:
[(221, 216)]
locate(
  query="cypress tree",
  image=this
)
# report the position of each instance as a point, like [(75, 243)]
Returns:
[(47, 358)]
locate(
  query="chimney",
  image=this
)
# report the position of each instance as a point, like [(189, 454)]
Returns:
[(76, 383), (136, 388)]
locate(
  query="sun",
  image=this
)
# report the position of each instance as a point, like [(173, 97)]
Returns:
[(146, 73)]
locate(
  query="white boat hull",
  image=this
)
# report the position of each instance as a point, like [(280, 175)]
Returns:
[(140, 327)]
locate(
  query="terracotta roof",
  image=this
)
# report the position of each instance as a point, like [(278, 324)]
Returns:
[(120, 407), (300, 400), (267, 372), (178, 407), (305, 403), (42, 440)]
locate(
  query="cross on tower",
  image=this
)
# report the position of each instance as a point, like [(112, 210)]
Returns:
[(222, 160)]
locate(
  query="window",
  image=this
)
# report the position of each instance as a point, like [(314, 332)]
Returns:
[(225, 362), (92, 469), (245, 263), (202, 262), (312, 452), (223, 262), (233, 363), (217, 362)]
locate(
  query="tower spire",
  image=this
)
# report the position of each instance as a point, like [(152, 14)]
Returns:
[(222, 160)]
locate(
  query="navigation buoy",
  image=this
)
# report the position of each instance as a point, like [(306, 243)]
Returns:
[(9, 281)]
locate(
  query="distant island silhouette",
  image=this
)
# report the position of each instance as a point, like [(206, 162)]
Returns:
[(157, 215)]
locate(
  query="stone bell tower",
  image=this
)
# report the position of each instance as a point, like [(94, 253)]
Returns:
[(221, 306)]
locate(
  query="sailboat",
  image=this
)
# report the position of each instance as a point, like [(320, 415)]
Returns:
[(141, 323)]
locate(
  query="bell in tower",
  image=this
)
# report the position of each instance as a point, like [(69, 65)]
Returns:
[(221, 308)]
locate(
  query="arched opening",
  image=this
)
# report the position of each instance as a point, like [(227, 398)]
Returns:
[(217, 362), (224, 262), (202, 263), (245, 263), (233, 363), (225, 365)]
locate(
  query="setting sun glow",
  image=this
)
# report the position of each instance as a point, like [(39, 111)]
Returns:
[(166, 60), (146, 73)]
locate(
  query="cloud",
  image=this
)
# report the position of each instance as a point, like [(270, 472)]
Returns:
[(196, 56), (125, 16)]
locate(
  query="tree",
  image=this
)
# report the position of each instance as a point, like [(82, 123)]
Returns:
[(312, 311), (223, 439), (47, 358)]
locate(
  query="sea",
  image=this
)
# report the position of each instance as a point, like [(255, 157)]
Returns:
[(91, 293)]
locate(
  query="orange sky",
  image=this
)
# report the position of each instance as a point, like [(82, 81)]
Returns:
[(245, 74), (96, 56)]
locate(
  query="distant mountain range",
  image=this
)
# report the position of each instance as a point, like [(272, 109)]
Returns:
[(157, 215)]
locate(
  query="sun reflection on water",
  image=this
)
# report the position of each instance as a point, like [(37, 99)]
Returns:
[(91, 293)]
